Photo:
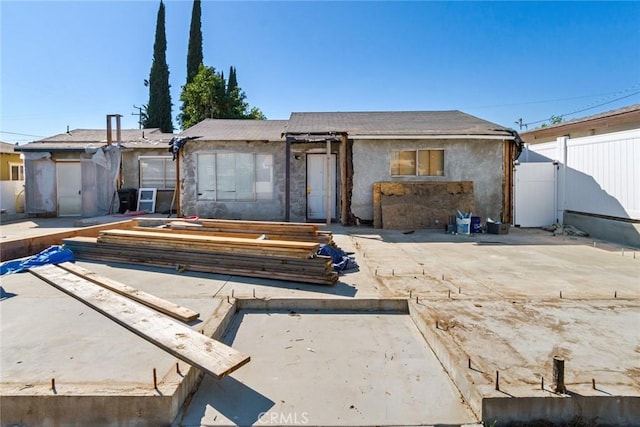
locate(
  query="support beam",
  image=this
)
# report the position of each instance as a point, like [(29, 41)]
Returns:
[(287, 180), (211, 356), (344, 202), (328, 183)]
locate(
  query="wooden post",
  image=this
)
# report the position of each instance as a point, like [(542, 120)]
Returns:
[(109, 132), (328, 182), (176, 190), (287, 179), (558, 375), (344, 206), (118, 129)]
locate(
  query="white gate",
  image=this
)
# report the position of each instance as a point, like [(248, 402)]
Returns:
[(535, 194)]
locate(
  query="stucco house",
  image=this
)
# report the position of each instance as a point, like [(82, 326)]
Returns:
[(11, 179), (78, 173), (325, 166)]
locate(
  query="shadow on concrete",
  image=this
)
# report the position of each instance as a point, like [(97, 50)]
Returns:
[(5, 295), (240, 404)]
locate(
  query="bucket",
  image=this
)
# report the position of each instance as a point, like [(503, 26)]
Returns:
[(476, 225), (464, 225)]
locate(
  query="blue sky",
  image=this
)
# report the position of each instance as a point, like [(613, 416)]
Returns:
[(72, 62)]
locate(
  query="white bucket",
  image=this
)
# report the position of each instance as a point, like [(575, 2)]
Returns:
[(464, 225)]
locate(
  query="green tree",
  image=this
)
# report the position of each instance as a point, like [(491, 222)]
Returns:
[(159, 105), (194, 51), (553, 120), (208, 97)]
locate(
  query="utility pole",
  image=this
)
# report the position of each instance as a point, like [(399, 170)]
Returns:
[(142, 115), (519, 122)]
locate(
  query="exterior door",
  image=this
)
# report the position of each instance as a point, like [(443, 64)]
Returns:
[(317, 186), (535, 194), (69, 188)]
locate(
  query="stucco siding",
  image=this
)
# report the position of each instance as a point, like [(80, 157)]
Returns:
[(480, 161)]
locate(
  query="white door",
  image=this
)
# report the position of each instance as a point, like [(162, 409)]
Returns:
[(317, 186), (69, 187), (535, 194)]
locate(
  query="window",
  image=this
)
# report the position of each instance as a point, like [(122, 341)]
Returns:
[(417, 163), (157, 172), (235, 176), (17, 172)]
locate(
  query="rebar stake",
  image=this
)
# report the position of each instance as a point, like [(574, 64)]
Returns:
[(155, 379), (254, 293), (560, 294), (542, 383), (615, 294), (178, 368), (498, 380), (53, 384), (593, 383), (469, 363), (449, 293), (437, 326)]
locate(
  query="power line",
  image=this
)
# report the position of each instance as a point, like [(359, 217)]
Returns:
[(584, 109), (21, 134)]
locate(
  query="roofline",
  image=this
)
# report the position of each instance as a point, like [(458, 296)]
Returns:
[(432, 136)]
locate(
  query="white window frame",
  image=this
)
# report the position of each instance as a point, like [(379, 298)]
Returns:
[(209, 180), (20, 167), (147, 199), (168, 182), (417, 165)]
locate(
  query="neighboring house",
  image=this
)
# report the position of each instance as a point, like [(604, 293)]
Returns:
[(597, 183), (78, 173), (278, 170), (11, 179)]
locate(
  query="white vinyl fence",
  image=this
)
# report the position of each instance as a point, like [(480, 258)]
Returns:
[(596, 173), (12, 197)]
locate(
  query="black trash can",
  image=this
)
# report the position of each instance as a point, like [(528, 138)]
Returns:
[(128, 198)]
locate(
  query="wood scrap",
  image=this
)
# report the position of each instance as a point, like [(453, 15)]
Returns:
[(317, 270), (207, 354), (152, 301)]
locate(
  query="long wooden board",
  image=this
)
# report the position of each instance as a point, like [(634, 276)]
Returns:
[(152, 301), (211, 356)]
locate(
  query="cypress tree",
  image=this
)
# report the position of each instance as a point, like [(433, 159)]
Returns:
[(194, 52), (159, 106), (233, 80)]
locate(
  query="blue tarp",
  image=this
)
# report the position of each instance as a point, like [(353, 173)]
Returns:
[(53, 255), (339, 259)]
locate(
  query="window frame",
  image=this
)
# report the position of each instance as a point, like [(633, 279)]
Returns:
[(20, 167), (416, 158), (165, 179), (212, 187)]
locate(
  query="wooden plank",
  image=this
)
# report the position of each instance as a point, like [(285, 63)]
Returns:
[(207, 354), (22, 247), (248, 234), (152, 301)]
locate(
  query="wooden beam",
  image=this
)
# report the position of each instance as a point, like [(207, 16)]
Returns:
[(170, 309), (329, 190), (207, 354), (22, 247), (287, 179), (344, 206)]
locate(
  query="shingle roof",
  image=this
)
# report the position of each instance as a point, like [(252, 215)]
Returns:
[(237, 130), (393, 123), (80, 139), (6, 147), (606, 114)]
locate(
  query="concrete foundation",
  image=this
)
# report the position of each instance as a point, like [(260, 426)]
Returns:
[(622, 232)]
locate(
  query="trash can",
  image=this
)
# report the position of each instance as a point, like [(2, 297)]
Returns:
[(476, 225), (128, 198)]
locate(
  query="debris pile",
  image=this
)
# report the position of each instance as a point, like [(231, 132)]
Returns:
[(568, 230)]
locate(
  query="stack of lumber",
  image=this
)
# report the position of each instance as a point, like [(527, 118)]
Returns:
[(298, 232), (274, 259)]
